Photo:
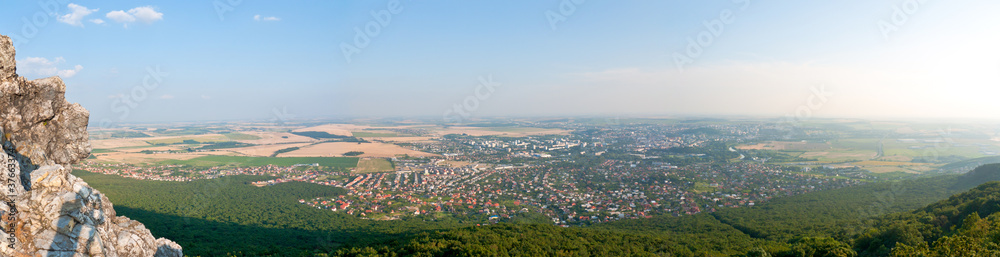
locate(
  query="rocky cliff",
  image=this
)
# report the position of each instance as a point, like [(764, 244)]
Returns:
[(46, 211)]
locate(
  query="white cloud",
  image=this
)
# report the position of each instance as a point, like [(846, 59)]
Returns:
[(145, 14), (269, 18), (120, 16), (70, 73), (97, 21), (167, 97), (206, 97), (76, 15), (46, 68)]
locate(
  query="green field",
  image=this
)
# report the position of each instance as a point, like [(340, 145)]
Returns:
[(183, 131), (102, 151), (868, 144), (373, 165), (130, 147), (220, 160), (126, 134), (240, 136), (840, 155), (200, 139)]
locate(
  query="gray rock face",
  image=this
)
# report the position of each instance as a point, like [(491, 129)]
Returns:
[(36, 115), (46, 211)]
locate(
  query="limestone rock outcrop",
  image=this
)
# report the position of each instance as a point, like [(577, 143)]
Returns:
[(45, 210)]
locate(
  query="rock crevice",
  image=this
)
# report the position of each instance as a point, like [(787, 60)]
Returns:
[(46, 211)]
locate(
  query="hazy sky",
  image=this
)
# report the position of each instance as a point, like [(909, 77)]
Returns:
[(232, 59)]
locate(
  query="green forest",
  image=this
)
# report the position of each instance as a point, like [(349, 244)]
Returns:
[(947, 215)]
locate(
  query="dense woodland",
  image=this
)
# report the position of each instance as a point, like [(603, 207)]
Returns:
[(908, 218), (228, 215)]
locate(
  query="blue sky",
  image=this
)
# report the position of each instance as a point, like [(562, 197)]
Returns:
[(232, 60)]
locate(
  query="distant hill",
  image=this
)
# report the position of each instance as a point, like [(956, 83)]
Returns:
[(968, 165), (951, 227), (980, 175)]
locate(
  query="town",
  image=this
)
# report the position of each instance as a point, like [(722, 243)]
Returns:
[(597, 173)]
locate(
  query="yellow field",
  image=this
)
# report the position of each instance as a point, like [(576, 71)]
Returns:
[(402, 139), (882, 163), (887, 169), (141, 158), (896, 158), (200, 138), (262, 150), (118, 142), (787, 146), (267, 138)]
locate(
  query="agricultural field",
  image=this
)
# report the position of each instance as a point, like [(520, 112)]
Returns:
[(918, 148), (373, 165), (905, 148), (268, 138), (865, 144), (379, 134), (124, 134), (118, 143), (203, 145), (798, 146), (335, 129), (499, 131), (894, 166), (340, 148), (211, 138), (264, 150), (240, 136), (840, 155), (221, 160), (141, 158)]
